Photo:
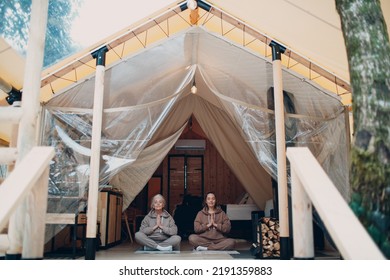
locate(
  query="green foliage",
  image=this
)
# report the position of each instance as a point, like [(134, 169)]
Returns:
[(15, 18), (376, 222), (367, 173), (386, 248)]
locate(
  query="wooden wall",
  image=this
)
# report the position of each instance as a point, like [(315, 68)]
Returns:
[(218, 177)]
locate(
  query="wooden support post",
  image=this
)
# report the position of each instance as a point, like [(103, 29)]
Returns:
[(281, 150), (27, 135), (34, 231), (93, 191), (302, 220)]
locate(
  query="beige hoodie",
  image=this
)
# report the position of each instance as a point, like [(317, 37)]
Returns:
[(213, 233)]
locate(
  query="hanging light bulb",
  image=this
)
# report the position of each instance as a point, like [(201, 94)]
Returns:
[(192, 4), (194, 89)]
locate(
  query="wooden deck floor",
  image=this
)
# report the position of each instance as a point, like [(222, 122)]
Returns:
[(131, 251)]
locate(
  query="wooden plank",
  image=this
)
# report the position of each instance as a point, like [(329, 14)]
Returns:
[(8, 155), (60, 218), (349, 235), (4, 243), (10, 114), (18, 184)]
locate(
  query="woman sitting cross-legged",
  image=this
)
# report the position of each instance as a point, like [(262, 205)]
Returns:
[(158, 230), (210, 226)]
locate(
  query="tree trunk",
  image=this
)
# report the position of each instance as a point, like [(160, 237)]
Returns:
[(368, 50)]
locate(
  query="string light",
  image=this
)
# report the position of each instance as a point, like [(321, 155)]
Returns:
[(194, 89), (192, 4)]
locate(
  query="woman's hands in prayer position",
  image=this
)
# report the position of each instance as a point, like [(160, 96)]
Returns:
[(158, 222), (212, 221)]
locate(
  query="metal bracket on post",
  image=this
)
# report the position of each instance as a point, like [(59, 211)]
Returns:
[(100, 56), (277, 50)]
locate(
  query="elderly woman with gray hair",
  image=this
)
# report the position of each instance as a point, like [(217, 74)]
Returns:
[(158, 230)]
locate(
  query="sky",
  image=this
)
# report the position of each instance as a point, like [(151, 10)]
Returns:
[(99, 20)]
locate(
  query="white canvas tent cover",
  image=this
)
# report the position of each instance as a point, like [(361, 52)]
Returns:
[(148, 102)]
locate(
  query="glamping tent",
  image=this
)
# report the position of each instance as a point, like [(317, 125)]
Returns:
[(148, 101)]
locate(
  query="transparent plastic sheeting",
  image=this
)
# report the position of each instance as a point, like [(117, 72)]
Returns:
[(141, 96), (125, 133), (310, 121)]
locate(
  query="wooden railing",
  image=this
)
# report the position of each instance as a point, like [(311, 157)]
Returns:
[(27, 184), (23, 194), (310, 185)]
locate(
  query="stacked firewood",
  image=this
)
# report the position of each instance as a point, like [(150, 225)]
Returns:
[(270, 237)]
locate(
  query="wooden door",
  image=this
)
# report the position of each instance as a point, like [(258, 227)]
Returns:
[(194, 179), (185, 176), (175, 181)]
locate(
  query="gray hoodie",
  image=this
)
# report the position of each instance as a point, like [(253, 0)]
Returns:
[(169, 227)]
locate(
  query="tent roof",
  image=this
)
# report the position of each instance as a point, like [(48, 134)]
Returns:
[(308, 28)]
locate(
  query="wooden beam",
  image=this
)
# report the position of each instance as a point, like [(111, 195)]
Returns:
[(10, 114), (349, 235)]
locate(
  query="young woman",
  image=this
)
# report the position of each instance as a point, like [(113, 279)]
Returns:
[(158, 230), (211, 225)]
